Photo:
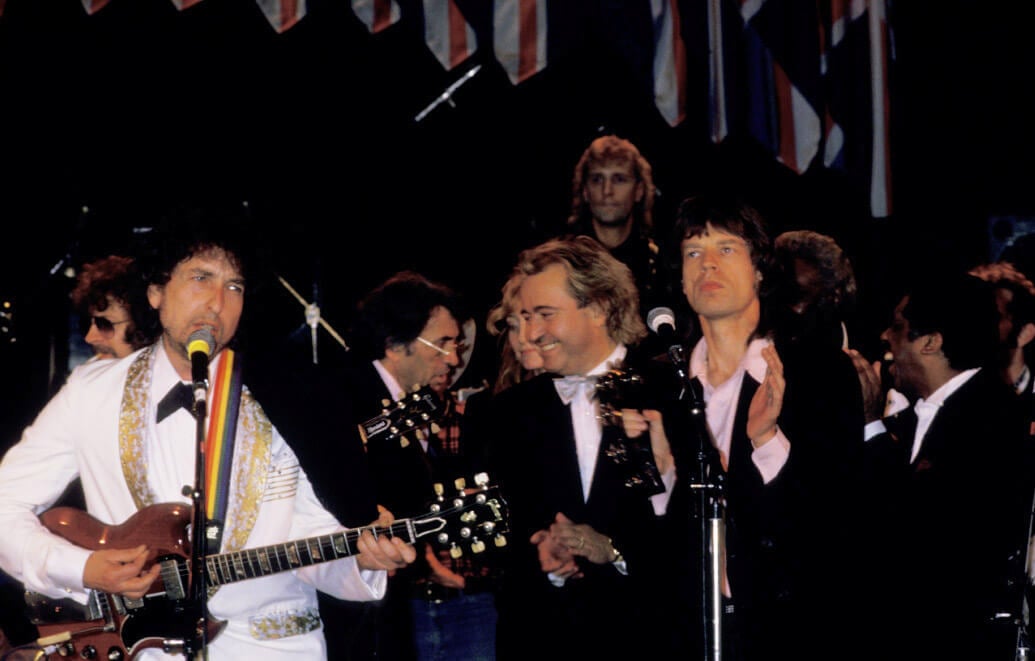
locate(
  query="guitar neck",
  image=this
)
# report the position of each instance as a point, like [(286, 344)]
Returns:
[(227, 568)]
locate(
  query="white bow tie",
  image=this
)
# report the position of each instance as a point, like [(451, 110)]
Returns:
[(570, 386)]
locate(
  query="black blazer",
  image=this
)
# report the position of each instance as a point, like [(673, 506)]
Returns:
[(955, 522), (787, 541), (401, 474)]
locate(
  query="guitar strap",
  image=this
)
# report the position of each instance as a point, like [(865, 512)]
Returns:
[(225, 402), (253, 442)]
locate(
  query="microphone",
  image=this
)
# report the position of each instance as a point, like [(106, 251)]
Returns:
[(662, 320), (199, 346)]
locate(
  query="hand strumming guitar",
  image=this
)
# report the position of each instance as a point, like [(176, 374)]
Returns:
[(120, 571)]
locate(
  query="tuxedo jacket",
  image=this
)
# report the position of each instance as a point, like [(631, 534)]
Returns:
[(603, 612), (954, 519)]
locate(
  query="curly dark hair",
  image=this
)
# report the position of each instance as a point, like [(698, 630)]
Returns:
[(115, 278), (188, 229), (396, 311)]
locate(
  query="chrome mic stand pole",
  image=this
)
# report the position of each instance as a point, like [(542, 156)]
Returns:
[(197, 641), (1023, 648), (710, 512)]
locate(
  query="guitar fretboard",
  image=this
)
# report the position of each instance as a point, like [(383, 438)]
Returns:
[(253, 563)]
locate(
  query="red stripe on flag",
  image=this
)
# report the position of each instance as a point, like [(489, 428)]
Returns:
[(458, 47), (93, 6), (382, 15), (288, 14), (679, 53), (880, 199), (527, 39), (788, 152)]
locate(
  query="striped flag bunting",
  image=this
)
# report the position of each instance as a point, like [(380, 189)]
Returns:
[(519, 37), (376, 14), (94, 6), (806, 80), (855, 71), (669, 61), (282, 14), (447, 33)]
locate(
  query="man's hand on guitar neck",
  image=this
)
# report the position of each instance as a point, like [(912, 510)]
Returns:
[(120, 571), (383, 552)]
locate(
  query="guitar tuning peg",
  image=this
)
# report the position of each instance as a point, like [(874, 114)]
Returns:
[(481, 479), (477, 546), (435, 428), (460, 483), (439, 489), (500, 541), (385, 403), (455, 551), (404, 442)]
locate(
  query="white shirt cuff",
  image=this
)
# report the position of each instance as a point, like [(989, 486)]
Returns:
[(771, 457)]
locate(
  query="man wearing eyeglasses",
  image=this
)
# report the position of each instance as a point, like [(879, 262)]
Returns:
[(109, 299), (405, 335)]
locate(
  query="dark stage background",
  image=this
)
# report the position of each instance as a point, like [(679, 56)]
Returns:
[(107, 118)]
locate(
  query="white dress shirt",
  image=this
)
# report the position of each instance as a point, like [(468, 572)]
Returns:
[(721, 409), (926, 409)]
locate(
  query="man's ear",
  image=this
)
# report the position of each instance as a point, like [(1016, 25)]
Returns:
[(932, 343), (154, 295), (1026, 334), (395, 351)]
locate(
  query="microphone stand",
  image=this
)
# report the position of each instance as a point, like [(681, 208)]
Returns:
[(197, 598), (708, 482)]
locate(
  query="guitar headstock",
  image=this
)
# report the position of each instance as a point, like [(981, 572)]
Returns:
[(472, 517), (418, 409)]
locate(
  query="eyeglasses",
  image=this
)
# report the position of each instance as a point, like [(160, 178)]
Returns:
[(104, 326), (444, 352)]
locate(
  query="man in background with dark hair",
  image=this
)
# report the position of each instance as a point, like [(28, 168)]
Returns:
[(947, 483), (109, 297), (406, 335), (781, 434)]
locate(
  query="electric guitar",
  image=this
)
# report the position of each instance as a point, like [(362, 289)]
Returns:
[(623, 388), (416, 410), (118, 628)]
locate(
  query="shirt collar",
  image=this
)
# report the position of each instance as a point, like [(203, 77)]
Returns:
[(613, 360), (952, 385), (163, 376), (389, 380), (752, 362)]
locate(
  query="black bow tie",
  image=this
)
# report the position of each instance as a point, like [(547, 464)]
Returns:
[(179, 395)]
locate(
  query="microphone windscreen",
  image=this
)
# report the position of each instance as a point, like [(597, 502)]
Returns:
[(201, 341), (660, 316)]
